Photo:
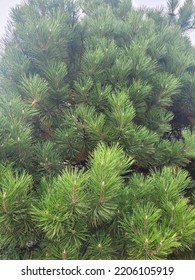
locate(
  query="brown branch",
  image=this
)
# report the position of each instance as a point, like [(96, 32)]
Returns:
[(102, 197), (173, 214), (74, 193), (4, 203), (122, 122), (157, 248), (151, 253), (146, 247), (64, 255), (18, 146)]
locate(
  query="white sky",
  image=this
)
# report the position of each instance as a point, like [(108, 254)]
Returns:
[(5, 6), (149, 3)]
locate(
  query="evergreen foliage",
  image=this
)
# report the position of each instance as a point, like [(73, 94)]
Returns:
[(97, 116)]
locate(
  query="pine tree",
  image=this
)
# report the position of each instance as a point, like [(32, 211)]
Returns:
[(97, 109)]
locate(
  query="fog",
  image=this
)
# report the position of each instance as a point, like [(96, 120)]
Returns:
[(5, 6)]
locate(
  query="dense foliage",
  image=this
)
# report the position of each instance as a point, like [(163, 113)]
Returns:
[(97, 109)]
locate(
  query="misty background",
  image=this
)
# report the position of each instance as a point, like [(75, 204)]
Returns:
[(6, 5)]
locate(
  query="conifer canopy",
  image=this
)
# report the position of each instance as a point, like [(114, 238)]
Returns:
[(97, 139)]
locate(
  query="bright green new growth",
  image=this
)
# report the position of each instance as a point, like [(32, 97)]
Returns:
[(16, 199), (97, 109)]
